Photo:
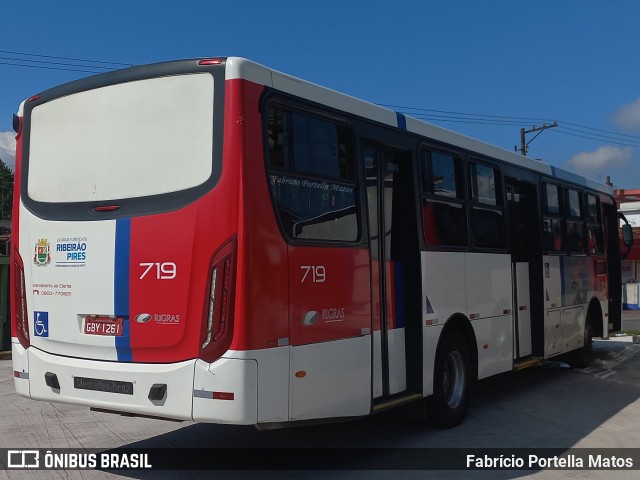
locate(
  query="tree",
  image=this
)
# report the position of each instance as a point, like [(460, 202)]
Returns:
[(6, 190)]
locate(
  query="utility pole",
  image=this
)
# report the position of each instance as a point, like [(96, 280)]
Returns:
[(524, 145)]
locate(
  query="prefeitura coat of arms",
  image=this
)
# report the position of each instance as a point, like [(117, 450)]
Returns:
[(42, 253)]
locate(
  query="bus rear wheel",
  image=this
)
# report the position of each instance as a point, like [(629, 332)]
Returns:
[(581, 358), (452, 381)]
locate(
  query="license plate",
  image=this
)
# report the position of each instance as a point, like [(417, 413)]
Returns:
[(102, 385), (95, 325)]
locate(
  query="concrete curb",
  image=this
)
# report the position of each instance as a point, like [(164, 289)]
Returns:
[(5, 355)]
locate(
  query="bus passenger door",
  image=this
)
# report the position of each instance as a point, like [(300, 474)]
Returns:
[(526, 255), (395, 273)]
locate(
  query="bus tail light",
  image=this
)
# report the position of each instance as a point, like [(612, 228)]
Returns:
[(20, 301), (218, 321)]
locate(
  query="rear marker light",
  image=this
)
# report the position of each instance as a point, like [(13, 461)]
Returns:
[(22, 375), (106, 208), (210, 61), (34, 98)]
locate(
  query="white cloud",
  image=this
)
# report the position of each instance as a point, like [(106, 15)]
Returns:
[(8, 148), (628, 116), (602, 161)]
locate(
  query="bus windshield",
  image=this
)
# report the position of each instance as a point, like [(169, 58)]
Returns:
[(121, 141)]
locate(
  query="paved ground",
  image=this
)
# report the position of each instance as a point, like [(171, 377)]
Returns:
[(550, 406)]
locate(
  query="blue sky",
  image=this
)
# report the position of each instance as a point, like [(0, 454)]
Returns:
[(505, 64)]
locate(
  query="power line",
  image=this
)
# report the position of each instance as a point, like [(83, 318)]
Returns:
[(50, 68), (481, 115), (65, 58), (54, 63), (69, 64), (582, 131), (454, 119), (601, 136), (624, 144)]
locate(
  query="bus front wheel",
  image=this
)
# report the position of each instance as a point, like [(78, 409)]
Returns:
[(452, 382)]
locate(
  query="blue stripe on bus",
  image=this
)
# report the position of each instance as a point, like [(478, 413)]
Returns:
[(398, 278), (402, 121), (121, 287)]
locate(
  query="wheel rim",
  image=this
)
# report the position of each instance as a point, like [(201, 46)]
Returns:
[(453, 380)]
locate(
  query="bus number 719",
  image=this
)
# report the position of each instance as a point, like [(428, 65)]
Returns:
[(164, 271), (318, 273)]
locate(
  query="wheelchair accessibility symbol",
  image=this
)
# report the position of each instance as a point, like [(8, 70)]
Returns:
[(41, 324)]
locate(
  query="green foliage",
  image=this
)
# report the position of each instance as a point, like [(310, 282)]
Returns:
[(6, 190)]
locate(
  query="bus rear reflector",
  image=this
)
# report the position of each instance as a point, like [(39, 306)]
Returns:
[(20, 301), (223, 395), (218, 322)]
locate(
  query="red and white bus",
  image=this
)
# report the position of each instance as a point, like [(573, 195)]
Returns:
[(212, 240)]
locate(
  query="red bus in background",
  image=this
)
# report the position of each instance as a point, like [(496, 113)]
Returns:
[(212, 240)]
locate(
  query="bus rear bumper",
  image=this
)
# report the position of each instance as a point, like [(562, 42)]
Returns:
[(225, 391), (125, 387)]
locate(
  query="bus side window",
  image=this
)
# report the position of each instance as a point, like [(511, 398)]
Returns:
[(576, 235), (552, 221), (444, 212), (595, 237), (312, 176), (486, 215)]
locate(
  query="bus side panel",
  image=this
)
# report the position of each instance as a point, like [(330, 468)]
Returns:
[(226, 391), (272, 394), (444, 286), (570, 282), (329, 294), (331, 379), (444, 293), (261, 315), (330, 332), (489, 307)]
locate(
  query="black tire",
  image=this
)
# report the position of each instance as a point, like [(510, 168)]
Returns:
[(581, 358), (452, 382)]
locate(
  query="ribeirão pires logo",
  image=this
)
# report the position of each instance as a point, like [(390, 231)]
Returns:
[(42, 253)]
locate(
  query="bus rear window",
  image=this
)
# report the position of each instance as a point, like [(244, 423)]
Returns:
[(134, 139)]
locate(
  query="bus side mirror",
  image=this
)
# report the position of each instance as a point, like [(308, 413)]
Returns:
[(627, 235)]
